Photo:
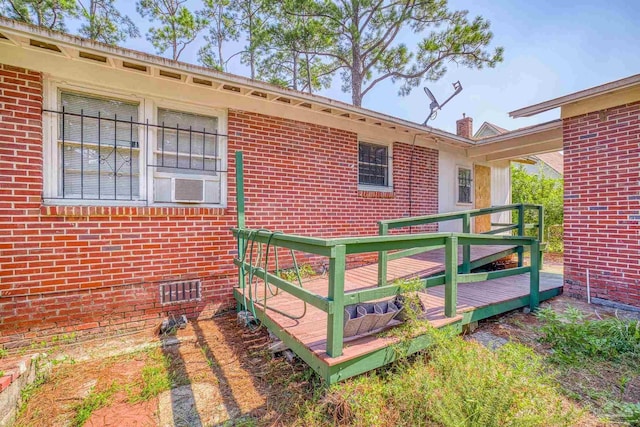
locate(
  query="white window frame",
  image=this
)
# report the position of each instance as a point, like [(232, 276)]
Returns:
[(457, 185), (147, 110), (380, 188)]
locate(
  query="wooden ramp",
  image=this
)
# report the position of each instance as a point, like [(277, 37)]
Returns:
[(476, 301)]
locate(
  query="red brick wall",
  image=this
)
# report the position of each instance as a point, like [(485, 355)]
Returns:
[(602, 204), (97, 269)]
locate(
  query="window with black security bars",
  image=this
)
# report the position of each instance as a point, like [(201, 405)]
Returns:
[(464, 185), (101, 143), (373, 164)]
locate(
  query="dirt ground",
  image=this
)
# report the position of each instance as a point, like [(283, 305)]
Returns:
[(219, 373)]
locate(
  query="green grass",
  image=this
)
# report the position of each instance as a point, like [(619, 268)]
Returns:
[(94, 401), (630, 413), (576, 339), (456, 383), (156, 378), (206, 353), (30, 389)]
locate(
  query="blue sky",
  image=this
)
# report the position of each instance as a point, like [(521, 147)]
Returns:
[(551, 48)]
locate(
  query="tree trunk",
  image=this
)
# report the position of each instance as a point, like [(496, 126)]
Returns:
[(356, 58), (252, 59), (308, 64), (294, 76), (221, 62), (174, 42)]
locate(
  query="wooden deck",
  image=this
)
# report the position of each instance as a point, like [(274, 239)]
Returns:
[(475, 301)]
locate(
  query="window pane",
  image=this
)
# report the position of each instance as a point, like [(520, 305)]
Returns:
[(464, 185), (373, 164), (86, 128), (187, 141), (98, 148)]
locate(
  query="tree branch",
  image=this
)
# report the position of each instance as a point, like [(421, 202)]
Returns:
[(394, 27)]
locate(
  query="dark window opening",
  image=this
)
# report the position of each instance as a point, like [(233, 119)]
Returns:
[(464, 185)]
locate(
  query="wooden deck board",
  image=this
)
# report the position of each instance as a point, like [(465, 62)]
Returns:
[(311, 329)]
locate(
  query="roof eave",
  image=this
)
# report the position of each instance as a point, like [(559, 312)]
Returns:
[(27, 30), (576, 96)]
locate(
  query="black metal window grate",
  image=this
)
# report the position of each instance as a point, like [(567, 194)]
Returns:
[(373, 164), (101, 145), (185, 290), (464, 185)]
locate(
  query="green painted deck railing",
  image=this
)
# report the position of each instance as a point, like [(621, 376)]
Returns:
[(465, 217), (336, 250)]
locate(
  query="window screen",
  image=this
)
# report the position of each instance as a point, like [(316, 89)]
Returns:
[(373, 164), (99, 154)]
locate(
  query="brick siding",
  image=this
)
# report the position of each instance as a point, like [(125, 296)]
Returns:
[(602, 204), (87, 270)]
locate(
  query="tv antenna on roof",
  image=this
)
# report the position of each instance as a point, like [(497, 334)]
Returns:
[(435, 105)]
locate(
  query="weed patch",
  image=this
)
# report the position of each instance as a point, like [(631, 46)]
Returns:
[(94, 401), (630, 413), (575, 339), (156, 378), (455, 383), (290, 274)]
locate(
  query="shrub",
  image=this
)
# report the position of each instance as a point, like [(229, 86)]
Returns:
[(457, 383), (540, 190)]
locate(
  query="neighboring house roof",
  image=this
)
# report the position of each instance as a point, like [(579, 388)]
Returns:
[(519, 143), (577, 96), (554, 160), (489, 129)]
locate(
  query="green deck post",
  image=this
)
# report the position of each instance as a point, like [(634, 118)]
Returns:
[(451, 276), (382, 257), (534, 278), (541, 232), (520, 249), (466, 249), (240, 210), (335, 319), (240, 189)]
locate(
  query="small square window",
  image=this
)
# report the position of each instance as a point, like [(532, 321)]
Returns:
[(464, 185), (373, 165)]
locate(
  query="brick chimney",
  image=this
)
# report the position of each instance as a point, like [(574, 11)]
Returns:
[(464, 127)]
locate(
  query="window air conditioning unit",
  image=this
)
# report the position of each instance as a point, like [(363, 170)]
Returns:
[(187, 190)]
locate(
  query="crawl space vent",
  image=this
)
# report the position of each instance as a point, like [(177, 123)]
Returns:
[(184, 290)]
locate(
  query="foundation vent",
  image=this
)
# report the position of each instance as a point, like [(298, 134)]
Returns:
[(181, 291)]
